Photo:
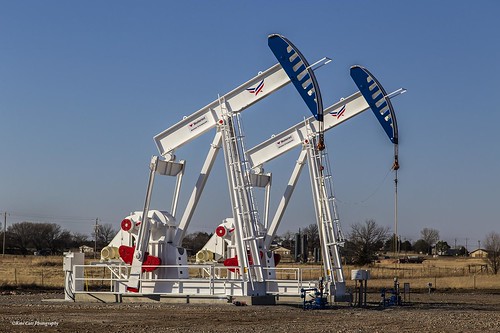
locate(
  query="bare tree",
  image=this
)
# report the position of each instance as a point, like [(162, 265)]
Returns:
[(312, 237), (38, 234), (63, 242), (79, 239), (19, 235), (366, 240), (53, 235), (44, 237), (47, 236), (104, 234), (194, 242), (492, 246), (288, 239), (430, 236)]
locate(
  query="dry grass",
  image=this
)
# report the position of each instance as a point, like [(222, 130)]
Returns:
[(478, 282), (31, 271), (443, 273)]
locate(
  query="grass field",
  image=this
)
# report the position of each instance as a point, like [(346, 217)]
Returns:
[(443, 273)]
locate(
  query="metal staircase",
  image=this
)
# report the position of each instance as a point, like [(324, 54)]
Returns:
[(326, 215), (242, 200)]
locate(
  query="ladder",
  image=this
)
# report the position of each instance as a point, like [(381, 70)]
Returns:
[(247, 231), (331, 237)]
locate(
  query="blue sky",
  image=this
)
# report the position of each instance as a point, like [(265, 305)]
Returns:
[(84, 87)]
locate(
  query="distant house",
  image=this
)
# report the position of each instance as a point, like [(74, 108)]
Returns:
[(479, 253), (282, 251), (86, 249)]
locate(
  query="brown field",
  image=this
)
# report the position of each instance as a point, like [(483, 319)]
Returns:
[(444, 273), (437, 312)]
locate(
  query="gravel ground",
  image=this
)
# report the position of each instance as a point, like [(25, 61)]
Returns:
[(439, 312)]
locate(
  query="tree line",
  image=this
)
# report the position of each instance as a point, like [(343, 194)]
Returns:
[(367, 240), (50, 238), (361, 246)]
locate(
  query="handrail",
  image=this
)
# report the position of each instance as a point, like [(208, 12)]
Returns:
[(214, 282)]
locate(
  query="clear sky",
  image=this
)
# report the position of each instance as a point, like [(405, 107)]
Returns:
[(84, 87)]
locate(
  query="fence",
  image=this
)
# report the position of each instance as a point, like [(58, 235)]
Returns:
[(403, 271)]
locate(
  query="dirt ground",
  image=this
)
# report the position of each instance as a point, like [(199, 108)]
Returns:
[(438, 312)]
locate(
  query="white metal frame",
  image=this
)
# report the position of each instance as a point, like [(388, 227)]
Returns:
[(304, 134), (222, 113)]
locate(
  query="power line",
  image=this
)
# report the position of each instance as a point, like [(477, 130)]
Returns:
[(36, 217), (19, 217), (369, 196), (51, 217)]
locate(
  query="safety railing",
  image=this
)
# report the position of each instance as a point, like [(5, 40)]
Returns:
[(111, 278)]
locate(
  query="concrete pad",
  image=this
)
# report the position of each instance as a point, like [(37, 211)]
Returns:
[(195, 299), (255, 300), (97, 298)]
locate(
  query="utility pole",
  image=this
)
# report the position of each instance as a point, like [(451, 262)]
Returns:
[(4, 232), (96, 230)]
